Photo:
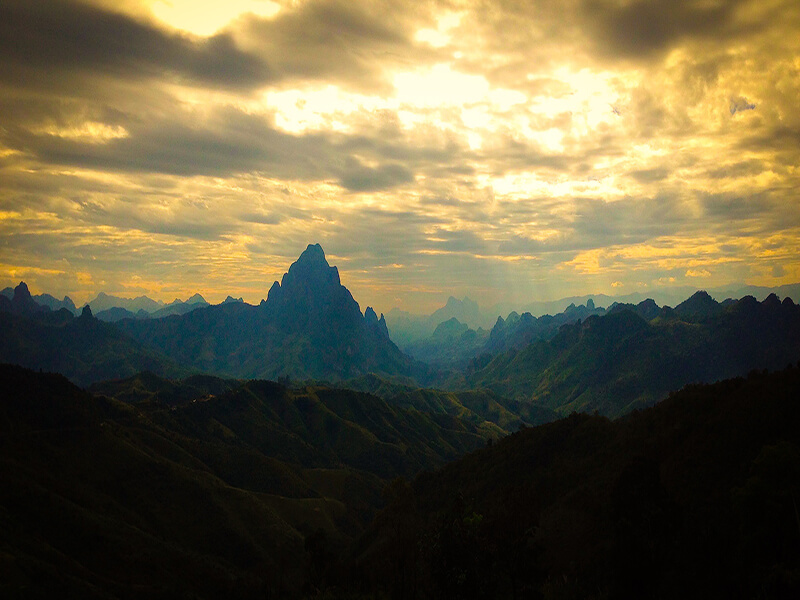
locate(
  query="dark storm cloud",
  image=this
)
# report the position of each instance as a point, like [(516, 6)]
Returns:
[(783, 141), (735, 208), (592, 223), (740, 104), (360, 178), (650, 175), (57, 38), (644, 27), (229, 141), (744, 168), (344, 41)]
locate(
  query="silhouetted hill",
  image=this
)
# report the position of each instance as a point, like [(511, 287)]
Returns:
[(699, 306), (693, 498), (83, 349), (175, 494), (116, 313), (618, 362), (309, 327), (105, 301), (56, 304), (22, 303)]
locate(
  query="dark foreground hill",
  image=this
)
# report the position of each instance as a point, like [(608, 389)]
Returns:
[(204, 489), (697, 497)]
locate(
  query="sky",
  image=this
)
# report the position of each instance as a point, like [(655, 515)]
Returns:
[(509, 151)]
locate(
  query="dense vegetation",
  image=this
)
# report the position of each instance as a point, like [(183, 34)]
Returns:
[(201, 489), (621, 361), (82, 348), (694, 498), (265, 491)]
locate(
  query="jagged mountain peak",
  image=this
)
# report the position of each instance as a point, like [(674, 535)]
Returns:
[(22, 302), (22, 290), (311, 267), (310, 297), (700, 304)]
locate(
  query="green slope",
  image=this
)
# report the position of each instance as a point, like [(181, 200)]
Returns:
[(186, 493), (693, 498), (618, 362)]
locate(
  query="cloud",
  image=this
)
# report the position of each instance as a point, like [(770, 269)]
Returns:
[(360, 178), (642, 28), (740, 104), (703, 273), (569, 144), (347, 42), (58, 39)]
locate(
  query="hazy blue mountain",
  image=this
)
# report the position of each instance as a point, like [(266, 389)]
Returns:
[(517, 331), (180, 307), (56, 304), (466, 311), (83, 348), (105, 301), (176, 307), (620, 361), (406, 328), (452, 344), (117, 313), (309, 327)]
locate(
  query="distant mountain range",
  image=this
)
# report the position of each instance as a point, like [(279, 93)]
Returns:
[(82, 348), (636, 354), (310, 328), (407, 328)]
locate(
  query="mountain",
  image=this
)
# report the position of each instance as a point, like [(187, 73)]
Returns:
[(56, 304), (309, 327), (664, 296), (452, 344), (82, 348), (117, 313), (618, 362), (180, 307), (693, 498), (517, 331), (105, 301), (21, 302), (466, 311), (406, 328), (203, 488), (176, 307)]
